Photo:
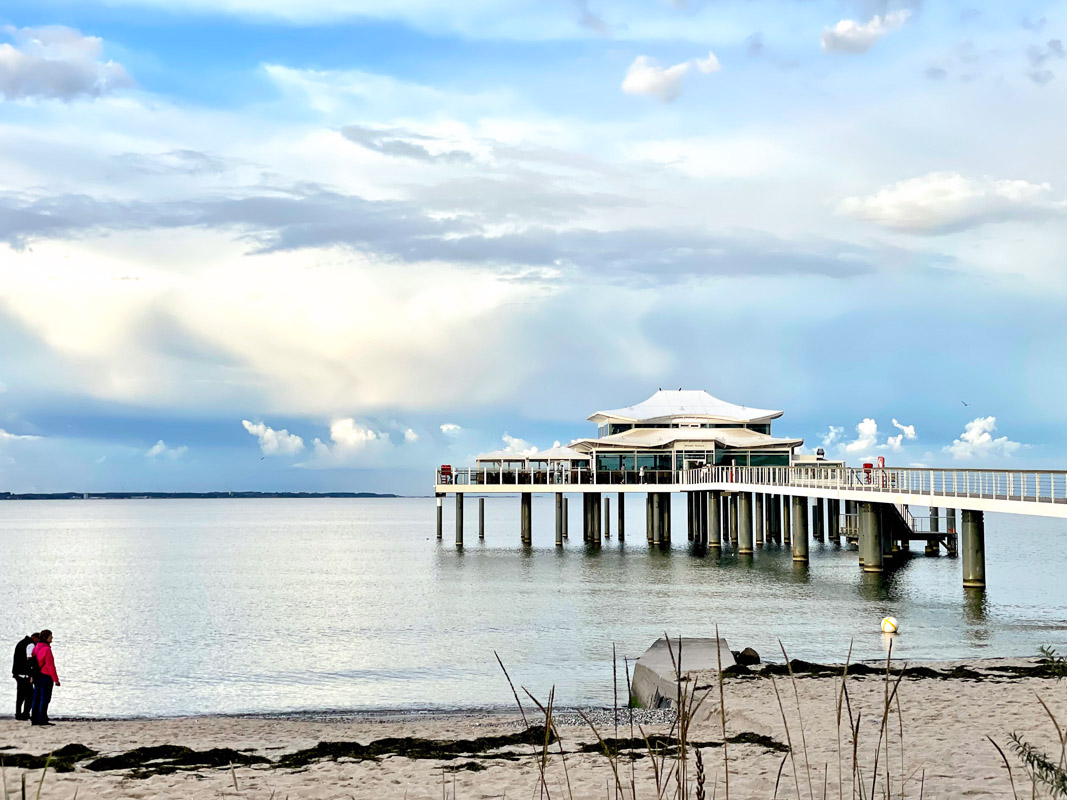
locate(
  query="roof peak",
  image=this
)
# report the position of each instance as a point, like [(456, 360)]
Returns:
[(667, 403)]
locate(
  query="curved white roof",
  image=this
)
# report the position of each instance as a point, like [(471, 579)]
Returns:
[(665, 437), (559, 454), (502, 455), (685, 403)]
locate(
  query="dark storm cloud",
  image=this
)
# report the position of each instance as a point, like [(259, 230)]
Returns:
[(403, 232)]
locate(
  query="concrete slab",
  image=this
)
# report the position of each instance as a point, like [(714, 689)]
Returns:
[(655, 681)]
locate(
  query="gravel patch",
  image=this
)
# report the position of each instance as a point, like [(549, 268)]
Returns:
[(604, 718)]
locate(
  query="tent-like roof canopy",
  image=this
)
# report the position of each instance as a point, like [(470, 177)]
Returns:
[(503, 455), (640, 438), (686, 404), (559, 454)]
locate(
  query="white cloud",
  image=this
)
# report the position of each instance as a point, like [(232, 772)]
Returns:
[(513, 444), (832, 436), (894, 443), (160, 449), (944, 202), (866, 436), (349, 442), (56, 62), (14, 437), (410, 436), (849, 36), (977, 441), (645, 76), (272, 442), (450, 429)]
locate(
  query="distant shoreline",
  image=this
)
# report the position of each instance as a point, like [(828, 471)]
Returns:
[(187, 495)]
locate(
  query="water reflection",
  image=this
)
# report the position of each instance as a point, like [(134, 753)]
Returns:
[(411, 624)]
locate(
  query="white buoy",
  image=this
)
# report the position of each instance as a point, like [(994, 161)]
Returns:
[(889, 625)]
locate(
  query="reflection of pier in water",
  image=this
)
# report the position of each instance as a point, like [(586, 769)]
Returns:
[(747, 488)]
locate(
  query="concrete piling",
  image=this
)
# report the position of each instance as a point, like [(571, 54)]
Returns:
[(481, 517), (648, 517), (744, 523), (459, 519), (440, 516), (932, 547), (817, 519), (787, 519), (607, 517), (690, 507), (734, 508), (657, 520), (800, 529), (526, 517), (714, 521), (870, 537), (621, 514), (566, 517), (559, 519), (598, 531), (973, 545), (757, 512)]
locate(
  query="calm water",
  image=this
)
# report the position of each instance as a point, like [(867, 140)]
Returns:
[(164, 607)]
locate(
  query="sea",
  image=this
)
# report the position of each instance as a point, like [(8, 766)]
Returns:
[(290, 606)]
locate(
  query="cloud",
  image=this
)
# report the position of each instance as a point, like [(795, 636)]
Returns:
[(866, 437), (272, 442), (160, 449), (349, 441), (513, 444), (977, 441), (56, 62), (410, 436), (15, 437), (587, 19), (935, 74), (647, 77), (849, 36), (832, 436), (450, 429), (947, 202), (402, 144), (309, 216), (894, 442)]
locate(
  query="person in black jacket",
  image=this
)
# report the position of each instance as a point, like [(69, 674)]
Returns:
[(22, 671)]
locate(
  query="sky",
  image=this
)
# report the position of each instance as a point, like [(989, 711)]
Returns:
[(327, 245)]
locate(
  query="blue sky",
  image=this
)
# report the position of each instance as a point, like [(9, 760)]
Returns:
[(329, 244)]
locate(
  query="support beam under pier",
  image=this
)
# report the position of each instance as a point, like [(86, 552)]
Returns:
[(481, 517), (800, 529), (459, 519), (973, 545), (714, 520), (621, 513), (744, 523), (870, 537), (566, 517), (440, 516), (526, 517), (757, 512), (559, 519)]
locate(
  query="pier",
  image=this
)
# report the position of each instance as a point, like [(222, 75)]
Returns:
[(745, 488)]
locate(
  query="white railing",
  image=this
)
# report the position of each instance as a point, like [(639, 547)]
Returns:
[(1036, 486), (939, 485)]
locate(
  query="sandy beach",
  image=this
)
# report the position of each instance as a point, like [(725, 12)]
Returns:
[(944, 751)]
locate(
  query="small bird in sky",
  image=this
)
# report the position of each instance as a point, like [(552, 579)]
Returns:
[(262, 457), (966, 404)]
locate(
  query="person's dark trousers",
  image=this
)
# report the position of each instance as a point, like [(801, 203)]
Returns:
[(42, 696), (23, 698)]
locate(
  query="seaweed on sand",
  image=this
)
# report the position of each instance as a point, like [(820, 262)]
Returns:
[(62, 760), (415, 748), (166, 759), (668, 745)]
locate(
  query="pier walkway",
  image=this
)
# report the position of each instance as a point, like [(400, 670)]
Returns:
[(747, 507)]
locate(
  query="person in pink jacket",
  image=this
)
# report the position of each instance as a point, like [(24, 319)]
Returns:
[(44, 680)]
